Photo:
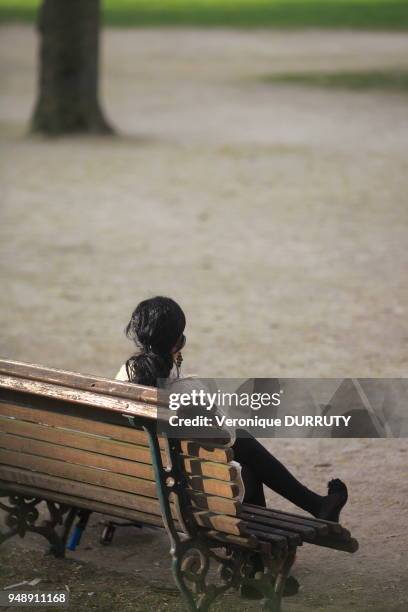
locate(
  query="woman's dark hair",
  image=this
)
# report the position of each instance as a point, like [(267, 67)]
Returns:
[(155, 326)]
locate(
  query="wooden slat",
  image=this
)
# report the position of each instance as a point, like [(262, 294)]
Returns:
[(214, 487), (75, 490), (278, 541), (307, 533), (226, 538), (153, 519), (294, 539), (350, 545), (104, 452), (94, 506), (91, 459), (124, 434), (333, 527), (75, 456), (101, 478), (59, 419), (226, 524), (218, 455), (83, 382), (78, 494), (130, 514), (74, 439), (105, 478), (220, 471), (320, 528), (105, 403), (222, 505)]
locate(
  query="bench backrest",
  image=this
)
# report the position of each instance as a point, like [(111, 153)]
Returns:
[(65, 437)]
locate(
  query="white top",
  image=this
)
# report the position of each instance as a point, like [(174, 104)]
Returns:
[(187, 384)]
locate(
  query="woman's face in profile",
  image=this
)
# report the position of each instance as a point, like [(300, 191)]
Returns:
[(180, 344)]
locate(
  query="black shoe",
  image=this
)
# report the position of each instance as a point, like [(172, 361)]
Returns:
[(334, 501)]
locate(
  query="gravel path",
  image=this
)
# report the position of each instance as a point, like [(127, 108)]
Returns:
[(275, 214)]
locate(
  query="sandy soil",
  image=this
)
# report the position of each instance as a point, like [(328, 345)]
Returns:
[(275, 214)]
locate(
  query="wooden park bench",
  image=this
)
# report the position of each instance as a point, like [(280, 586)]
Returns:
[(82, 442)]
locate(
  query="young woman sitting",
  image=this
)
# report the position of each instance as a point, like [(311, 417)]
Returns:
[(157, 327)]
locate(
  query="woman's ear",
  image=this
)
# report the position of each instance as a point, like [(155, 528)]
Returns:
[(178, 359)]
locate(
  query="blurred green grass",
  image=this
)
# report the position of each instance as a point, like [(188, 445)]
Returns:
[(356, 14), (384, 80)]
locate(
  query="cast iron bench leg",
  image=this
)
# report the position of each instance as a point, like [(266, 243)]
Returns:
[(22, 516)]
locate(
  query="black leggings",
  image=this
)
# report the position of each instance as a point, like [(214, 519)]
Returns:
[(259, 467)]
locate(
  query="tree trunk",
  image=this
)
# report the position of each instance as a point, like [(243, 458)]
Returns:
[(68, 77)]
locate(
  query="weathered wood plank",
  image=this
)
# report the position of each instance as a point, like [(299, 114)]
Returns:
[(214, 487), (60, 419), (227, 538), (350, 545), (83, 382), (75, 456), (320, 528), (101, 478), (94, 506), (105, 403), (307, 533), (78, 440), (125, 434), (75, 490), (333, 527), (294, 539), (78, 494), (104, 453), (222, 505), (278, 541), (210, 469), (226, 524), (218, 455)]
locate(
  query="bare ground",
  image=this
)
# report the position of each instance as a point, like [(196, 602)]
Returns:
[(275, 214)]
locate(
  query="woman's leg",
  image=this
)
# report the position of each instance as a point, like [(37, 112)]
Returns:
[(266, 469), (254, 493)]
